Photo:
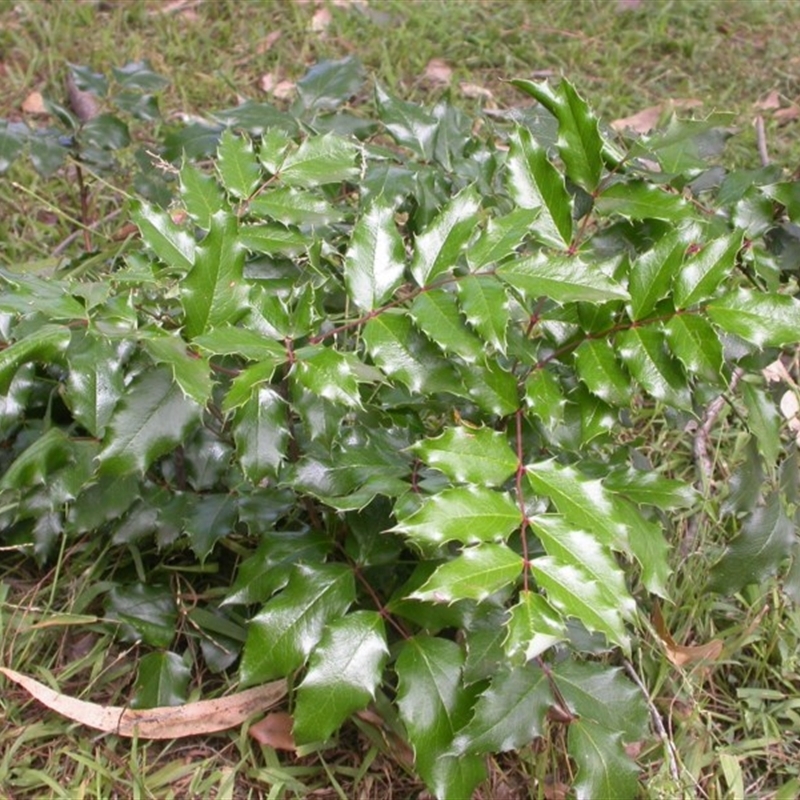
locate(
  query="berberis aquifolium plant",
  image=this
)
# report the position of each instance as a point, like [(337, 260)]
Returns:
[(376, 390)]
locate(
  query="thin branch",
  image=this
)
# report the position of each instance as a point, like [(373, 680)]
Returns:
[(658, 724), (761, 141)]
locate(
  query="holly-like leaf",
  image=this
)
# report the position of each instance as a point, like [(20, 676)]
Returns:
[(47, 343), (162, 680), (409, 124), (650, 488), (573, 591), (191, 372), (403, 353), (465, 514), (757, 551), (585, 503), (329, 374), (534, 183), (437, 248), (702, 274), (485, 305), (695, 343), (375, 261), (579, 144), (766, 320), (288, 628), (320, 160), (643, 352), (213, 293), (148, 613), (640, 200), (544, 397), (581, 548), (239, 169), (330, 84), (434, 706), (565, 279), (37, 461), (201, 194), (476, 574), (273, 239), (261, 434), (652, 273), (599, 369), (211, 517), (763, 420), (604, 768), (293, 206), (152, 418), (227, 340), (509, 714), (501, 237), (479, 456), (491, 387), (436, 314), (343, 675), (175, 246), (533, 626)]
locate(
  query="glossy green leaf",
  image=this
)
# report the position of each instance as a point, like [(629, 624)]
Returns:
[(152, 418), (12, 141), (640, 200), (191, 372), (243, 385), (466, 514), (533, 626), (175, 246), (534, 183), (104, 132), (47, 453), (293, 206), (211, 517), (648, 546), (485, 304), (94, 383), (330, 84), (26, 294), (695, 343), (375, 260), (757, 551), (476, 574), (501, 237), (201, 194), (481, 456), (47, 343), (344, 672), (438, 247), (162, 680), (585, 503), (766, 320), (238, 167), (288, 628), (434, 706), (261, 434), (700, 275), (273, 239), (146, 612), (509, 714), (572, 590), (328, 374), (227, 340), (580, 145), (602, 373), (403, 353), (213, 293), (437, 315), (409, 124), (544, 397), (604, 768), (643, 352), (320, 160), (650, 488), (491, 387), (652, 272), (763, 420), (565, 279)]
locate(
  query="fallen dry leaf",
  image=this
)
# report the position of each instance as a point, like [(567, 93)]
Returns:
[(680, 655), (770, 102), (34, 104), (628, 5), (321, 20), (647, 119), (284, 90), (474, 91), (267, 42), (267, 82), (274, 731), (185, 7), (84, 104), (169, 722), (438, 71), (784, 115)]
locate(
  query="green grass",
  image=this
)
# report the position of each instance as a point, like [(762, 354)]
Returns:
[(735, 723)]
